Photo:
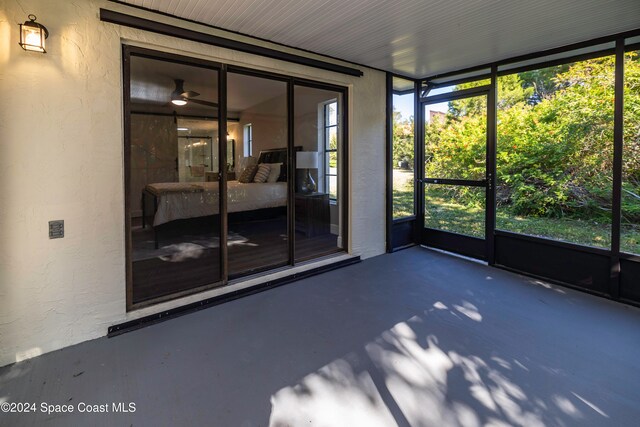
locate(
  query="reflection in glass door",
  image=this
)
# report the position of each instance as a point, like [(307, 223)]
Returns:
[(173, 209), (258, 187), (318, 134), (455, 170), (218, 183)]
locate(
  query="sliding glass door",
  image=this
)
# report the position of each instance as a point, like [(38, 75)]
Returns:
[(228, 172), (257, 187), (173, 211), (318, 135)]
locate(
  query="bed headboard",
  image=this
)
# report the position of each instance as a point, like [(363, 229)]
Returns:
[(275, 155)]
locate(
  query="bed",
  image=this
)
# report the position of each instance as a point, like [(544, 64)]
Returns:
[(177, 200), (174, 201)]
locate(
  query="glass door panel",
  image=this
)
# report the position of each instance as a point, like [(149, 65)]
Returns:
[(403, 148), (456, 139), (456, 209), (318, 131), (455, 154), (174, 213), (257, 189)]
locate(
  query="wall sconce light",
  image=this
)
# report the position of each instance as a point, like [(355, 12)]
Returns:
[(33, 35)]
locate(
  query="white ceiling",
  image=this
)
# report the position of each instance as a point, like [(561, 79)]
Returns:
[(417, 38)]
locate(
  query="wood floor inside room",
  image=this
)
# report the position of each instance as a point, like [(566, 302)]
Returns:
[(188, 253), (413, 338)]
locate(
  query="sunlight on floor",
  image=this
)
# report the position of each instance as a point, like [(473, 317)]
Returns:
[(410, 386), (334, 395)]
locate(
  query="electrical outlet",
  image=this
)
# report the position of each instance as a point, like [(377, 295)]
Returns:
[(56, 229)]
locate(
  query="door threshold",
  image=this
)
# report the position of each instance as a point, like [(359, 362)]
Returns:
[(238, 288), (468, 258)]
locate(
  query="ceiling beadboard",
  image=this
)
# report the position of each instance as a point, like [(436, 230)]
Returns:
[(416, 38)]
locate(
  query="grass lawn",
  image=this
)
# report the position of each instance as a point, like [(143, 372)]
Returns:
[(403, 196), (444, 213)]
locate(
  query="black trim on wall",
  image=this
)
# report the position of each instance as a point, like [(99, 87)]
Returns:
[(587, 270), (419, 123), (448, 181), (132, 325), (196, 36), (616, 206), (126, 111), (223, 178), (492, 143), (460, 94), (470, 246), (402, 234), (275, 43), (389, 160), (291, 171), (629, 289)]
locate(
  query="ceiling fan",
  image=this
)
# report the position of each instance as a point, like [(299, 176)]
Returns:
[(181, 97)]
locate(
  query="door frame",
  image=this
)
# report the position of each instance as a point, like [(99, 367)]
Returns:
[(127, 52), (475, 247), (343, 183)]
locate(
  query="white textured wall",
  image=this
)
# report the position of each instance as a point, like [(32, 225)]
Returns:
[(61, 157)]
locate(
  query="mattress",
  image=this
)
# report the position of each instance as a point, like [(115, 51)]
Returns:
[(177, 200)]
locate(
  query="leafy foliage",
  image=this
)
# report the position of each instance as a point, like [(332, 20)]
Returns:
[(554, 151), (555, 141), (402, 138)]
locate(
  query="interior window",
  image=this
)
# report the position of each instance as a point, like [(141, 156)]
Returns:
[(248, 140), (330, 136), (318, 142)]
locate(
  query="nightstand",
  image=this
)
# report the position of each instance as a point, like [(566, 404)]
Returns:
[(312, 214)]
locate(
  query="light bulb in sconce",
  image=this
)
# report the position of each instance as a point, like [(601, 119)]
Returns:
[(33, 35)]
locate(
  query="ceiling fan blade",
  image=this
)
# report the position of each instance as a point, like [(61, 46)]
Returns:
[(202, 102), (189, 94)]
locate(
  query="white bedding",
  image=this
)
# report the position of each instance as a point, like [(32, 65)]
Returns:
[(178, 200)]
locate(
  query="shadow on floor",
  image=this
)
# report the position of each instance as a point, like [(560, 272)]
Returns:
[(413, 338)]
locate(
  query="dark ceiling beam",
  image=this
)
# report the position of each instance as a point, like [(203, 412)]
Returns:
[(196, 36)]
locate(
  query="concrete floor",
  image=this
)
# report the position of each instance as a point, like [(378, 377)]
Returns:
[(414, 338)]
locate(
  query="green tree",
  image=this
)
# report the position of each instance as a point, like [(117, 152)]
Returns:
[(403, 143)]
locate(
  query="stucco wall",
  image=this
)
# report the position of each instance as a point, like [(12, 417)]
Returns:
[(61, 157)]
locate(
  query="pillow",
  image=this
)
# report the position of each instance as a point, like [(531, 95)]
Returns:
[(274, 172), (263, 173), (246, 162), (247, 174)]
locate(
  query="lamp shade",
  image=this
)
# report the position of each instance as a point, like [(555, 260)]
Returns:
[(307, 160)]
